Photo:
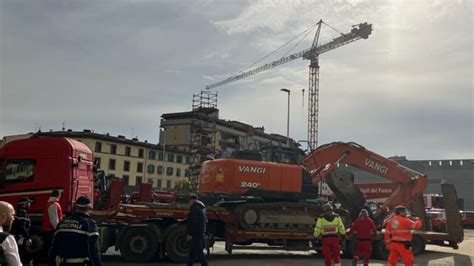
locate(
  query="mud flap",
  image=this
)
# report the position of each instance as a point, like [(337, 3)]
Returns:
[(342, 185), (453, 222)]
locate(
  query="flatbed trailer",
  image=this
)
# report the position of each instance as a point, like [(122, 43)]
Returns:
[(143, 232)]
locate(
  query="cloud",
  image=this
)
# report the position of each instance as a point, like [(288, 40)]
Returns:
[(113, 66)]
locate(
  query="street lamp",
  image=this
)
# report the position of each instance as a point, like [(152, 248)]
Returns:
[(288, 118), (163, 129)]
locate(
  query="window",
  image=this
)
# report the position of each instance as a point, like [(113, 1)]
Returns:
[(178, 171), (128, 150), (98, 146), (18, 171), (158, 184), (150, 181), (126, 166), (152, 155), (138, 181), (151, 169), (159, 169), (168, 184), (169, 171), (139, 167), (126, 179), (179, 158), (113, 149), (187, 173), (170, 157), (188, 160), (160, 156), (111, 164), (140, 153), (97, 162)]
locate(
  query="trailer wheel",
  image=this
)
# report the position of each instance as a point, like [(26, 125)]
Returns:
[(177, 247), (418, 245), (138, 244), (379, 250)]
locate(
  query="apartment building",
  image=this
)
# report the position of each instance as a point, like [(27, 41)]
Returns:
[(133, 160)]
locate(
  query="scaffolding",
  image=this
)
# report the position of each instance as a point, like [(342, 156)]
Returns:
[(203, 131)]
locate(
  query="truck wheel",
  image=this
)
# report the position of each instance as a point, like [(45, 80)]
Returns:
[(379, 250), (418, 245), (177, 247), (138, 244)]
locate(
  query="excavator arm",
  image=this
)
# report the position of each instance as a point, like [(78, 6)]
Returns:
[(321, 162)]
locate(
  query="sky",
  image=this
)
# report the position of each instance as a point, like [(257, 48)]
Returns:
[(116, 66)]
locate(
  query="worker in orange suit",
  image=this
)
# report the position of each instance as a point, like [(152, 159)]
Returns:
[(364, 230), (330, 227), (398, 236)]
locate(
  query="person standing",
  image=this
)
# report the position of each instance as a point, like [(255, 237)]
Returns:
[(52, 215), (196, 228), (330, 227), (21, 228), (8, 247), (76, 239), (363, 228), (398, 236)]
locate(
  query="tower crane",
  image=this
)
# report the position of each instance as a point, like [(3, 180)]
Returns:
[(360, 31)]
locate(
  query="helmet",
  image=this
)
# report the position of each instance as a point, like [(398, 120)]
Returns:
[(327, 207), (400, 210)]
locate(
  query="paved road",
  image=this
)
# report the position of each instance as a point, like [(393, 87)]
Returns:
[(434, 256)]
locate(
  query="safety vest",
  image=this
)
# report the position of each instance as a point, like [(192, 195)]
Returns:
[(328, 227), (400, 228), (47, 225)]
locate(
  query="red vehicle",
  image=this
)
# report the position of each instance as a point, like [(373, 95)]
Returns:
[(34, 167), (437, 219), (467, 219)]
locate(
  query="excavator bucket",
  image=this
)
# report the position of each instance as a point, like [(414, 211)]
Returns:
[(453, 222), (342, 185)]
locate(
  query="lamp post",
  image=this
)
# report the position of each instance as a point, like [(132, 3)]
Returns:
[(163, 152), (288, 118)]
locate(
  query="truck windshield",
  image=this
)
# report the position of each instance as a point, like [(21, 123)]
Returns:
[(16, 171)]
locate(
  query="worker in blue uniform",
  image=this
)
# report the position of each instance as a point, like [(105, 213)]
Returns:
[(75, 240)]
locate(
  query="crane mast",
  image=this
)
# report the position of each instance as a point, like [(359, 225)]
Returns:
[(360, 31)]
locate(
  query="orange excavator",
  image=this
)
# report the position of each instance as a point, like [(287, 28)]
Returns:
[(275, 196)]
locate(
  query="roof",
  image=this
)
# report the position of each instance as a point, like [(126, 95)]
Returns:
[(86, 133), (236, 125)]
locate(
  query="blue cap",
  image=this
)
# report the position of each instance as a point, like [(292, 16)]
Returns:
[(25, 200), (83, 202)]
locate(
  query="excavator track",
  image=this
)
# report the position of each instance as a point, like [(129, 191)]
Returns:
[(281, 216)]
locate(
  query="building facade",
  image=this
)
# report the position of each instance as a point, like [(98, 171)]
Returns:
[(132, 160), (225, 135)]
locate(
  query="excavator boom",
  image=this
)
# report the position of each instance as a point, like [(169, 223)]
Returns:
[(321, 162)]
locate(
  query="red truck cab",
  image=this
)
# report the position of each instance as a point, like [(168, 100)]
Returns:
[(35, 166)]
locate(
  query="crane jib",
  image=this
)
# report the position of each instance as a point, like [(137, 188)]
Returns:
[(361, 31)]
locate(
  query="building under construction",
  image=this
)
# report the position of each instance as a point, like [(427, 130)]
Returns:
[(204, 134)]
